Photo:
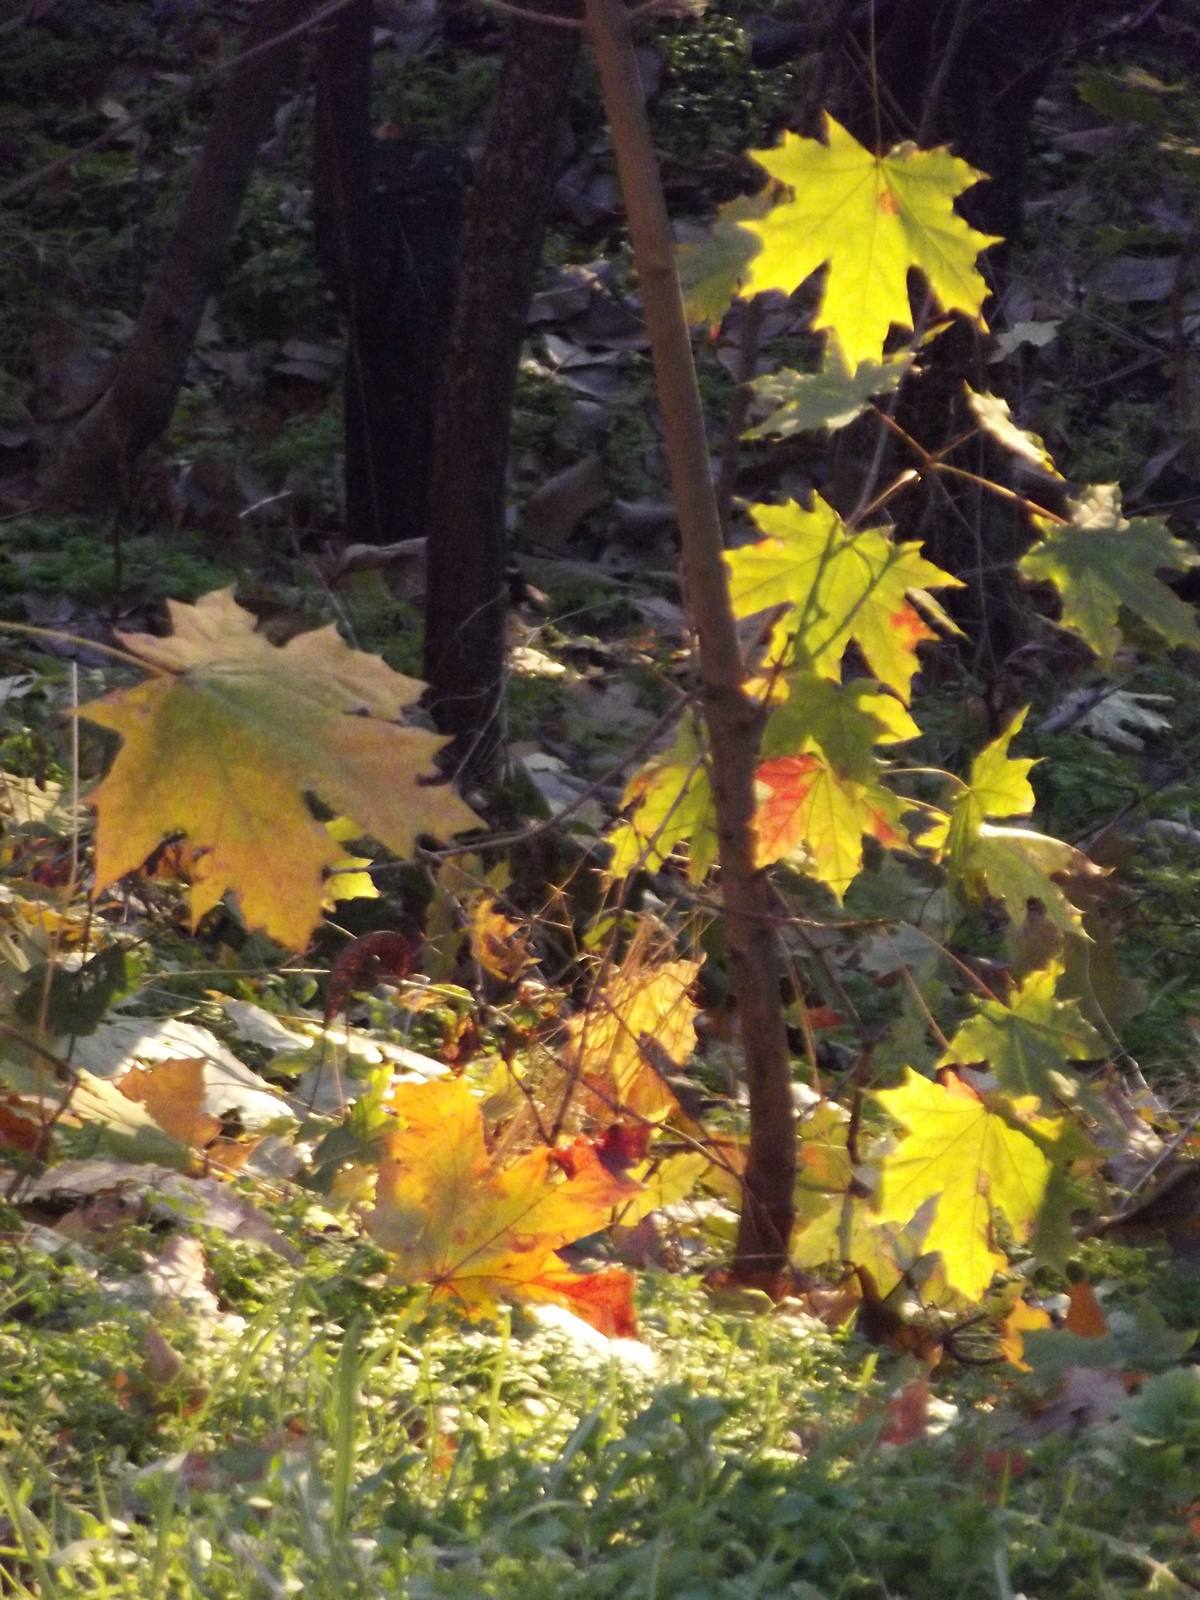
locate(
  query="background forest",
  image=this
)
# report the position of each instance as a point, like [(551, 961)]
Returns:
[(599, 902)]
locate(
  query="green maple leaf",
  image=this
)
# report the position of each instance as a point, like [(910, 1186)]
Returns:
[(713, 269), (870, 218), (819, 788), (224, 745), (1028, 1042), (670, 802), (1012, 865), (844, 721), (1102, 561), (977, 1155), (831, 398), (838, 585)]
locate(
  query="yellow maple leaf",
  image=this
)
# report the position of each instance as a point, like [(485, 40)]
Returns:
[(670, 802), (839, 584), (1011, 865), (976, 1156), (224, 744), (870, 218), (807, 808), (639, 1026), (479, 1231)]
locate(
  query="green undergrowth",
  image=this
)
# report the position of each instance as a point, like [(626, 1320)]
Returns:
[(306, 1428)]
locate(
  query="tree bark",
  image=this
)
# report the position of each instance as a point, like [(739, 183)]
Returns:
[(93, 466), (499, 253), (734, 720), (386, 215)]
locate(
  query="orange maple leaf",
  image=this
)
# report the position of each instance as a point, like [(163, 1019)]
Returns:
[(480, 1231), (807, 805)]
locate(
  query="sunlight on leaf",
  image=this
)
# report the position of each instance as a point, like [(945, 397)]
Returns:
[(973, 1153), (870, 218), (1028, 1042), (839, 585), (1011, 865), (820, 790), (994, 417), (831, 398), (1022, 1319), (638, 1029), (225, 744), (479, 1231), (670, 801)]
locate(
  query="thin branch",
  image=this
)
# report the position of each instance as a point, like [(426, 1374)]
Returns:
[(931, 462), (91, 644), (549, 17)]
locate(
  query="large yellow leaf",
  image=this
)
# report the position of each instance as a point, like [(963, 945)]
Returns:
[(870, 218), (640, 1026), (975, 1154), (478, 1231), (226, 742), (839, 585)]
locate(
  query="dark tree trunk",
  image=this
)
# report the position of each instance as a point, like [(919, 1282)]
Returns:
[(501, 245), (94, 464), (387, 221), (342, 147)]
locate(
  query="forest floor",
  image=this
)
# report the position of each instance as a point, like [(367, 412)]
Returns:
[(211, 1389)]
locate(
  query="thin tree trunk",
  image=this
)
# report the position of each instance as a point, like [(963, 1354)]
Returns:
[(94, 464), (501, 246), (734, 721)]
